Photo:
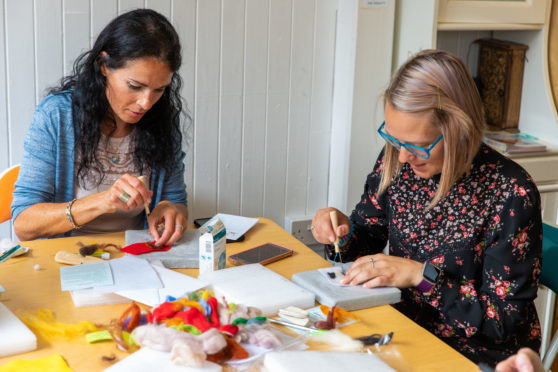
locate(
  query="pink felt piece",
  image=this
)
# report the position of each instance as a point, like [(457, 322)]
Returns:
[(139, 248)]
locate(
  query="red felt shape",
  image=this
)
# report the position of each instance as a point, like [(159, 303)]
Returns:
[(139, 248), (230, 329), (212, 302), (194, 317), (164, 311)]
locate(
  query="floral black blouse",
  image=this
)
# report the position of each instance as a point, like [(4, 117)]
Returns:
[(485, 236)]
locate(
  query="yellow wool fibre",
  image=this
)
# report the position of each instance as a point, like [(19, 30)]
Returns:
[(51, 363), (43, 324)]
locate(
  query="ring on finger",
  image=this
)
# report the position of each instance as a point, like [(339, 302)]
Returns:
[(311, 227), (124, 197), (371, 260), (179, 226)]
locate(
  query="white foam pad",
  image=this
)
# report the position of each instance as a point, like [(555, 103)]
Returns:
[(301, 361), (349, 298), (257, 286), (15, 336), (89, 297), (148, 360)]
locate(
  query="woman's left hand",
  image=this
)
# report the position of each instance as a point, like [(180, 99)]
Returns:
[(173, 219), (380, 270)]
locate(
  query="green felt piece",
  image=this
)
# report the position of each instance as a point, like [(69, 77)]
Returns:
[(98, 336)]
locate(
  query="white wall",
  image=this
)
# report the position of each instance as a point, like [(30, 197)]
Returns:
[(363, 58), (258, 81)]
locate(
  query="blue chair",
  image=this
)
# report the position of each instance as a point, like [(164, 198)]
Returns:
[(549, 278)]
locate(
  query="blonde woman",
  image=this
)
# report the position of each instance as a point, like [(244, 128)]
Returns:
[(462, 221)]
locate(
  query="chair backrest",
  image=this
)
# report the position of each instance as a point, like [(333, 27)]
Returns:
[(7, 182), (549, 274)]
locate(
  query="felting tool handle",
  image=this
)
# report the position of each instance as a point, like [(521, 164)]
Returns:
[(335, 224), (146, 205)]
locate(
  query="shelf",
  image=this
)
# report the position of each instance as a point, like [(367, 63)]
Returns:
[(442, 26)]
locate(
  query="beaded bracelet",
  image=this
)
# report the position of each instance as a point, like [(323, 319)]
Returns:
[(69, 214), (345, 238)]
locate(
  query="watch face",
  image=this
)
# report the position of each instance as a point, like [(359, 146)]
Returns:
[(431, 272)]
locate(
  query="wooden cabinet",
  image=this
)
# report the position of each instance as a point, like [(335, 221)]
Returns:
[(509, 14)]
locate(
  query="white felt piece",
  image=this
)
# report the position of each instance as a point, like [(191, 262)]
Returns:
[(293, 311), (349, 298), (257, 286), (183, 253), (303, 361), (89, 297), (300, 321), (148, 360), (15, 337)]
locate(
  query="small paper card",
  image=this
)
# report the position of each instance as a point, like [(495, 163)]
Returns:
[(236, 225), (131, 273), (94, 274)]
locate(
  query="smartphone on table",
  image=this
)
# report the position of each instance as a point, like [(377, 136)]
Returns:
[(262, 254), (198, 222)]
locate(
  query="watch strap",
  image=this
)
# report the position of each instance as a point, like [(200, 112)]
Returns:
[(424, 285)]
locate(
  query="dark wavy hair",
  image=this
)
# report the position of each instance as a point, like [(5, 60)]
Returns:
[(136, 34)]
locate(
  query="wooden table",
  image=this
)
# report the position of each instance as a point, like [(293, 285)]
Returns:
[(412, 349)]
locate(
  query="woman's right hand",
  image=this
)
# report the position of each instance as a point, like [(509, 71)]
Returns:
[(127, 192), (322, 228), (525, 360)]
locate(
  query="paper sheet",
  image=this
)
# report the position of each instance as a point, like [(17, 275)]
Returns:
[(236, 225), (96, 274), (131, 273), (174, 284)]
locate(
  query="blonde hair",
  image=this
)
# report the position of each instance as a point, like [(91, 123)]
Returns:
[(436, 81)]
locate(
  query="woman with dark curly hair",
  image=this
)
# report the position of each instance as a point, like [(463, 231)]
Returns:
[(107, 141)]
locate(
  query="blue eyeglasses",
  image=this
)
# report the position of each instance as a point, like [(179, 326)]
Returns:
[(421, 152)]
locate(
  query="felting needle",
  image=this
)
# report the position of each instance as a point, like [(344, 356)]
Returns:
[(335, 224), (146, 205), (288, 324)]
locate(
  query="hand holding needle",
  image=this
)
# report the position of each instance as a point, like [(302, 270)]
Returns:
[(335, 224), (146, 205)]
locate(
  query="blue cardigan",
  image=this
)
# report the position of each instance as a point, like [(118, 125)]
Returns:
[(47, 168)]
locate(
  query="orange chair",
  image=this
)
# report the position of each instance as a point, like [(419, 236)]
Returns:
[(7, 182)]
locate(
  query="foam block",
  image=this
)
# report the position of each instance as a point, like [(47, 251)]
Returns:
[(183, 254), (255, 285), (349, 298), (303, 361), (148, 360), (89, 297), (15, 337)]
